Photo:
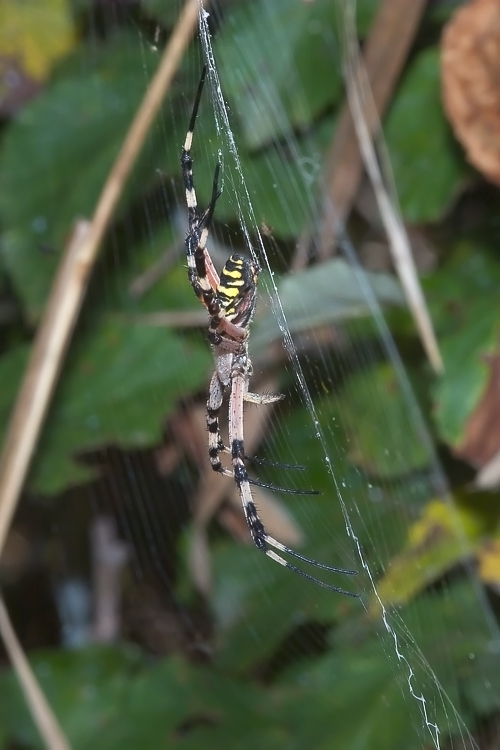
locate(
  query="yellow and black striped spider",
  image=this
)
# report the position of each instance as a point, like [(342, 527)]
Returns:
[(230, 301)]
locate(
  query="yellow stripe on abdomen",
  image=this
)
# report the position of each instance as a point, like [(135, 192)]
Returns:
[(227, 291)]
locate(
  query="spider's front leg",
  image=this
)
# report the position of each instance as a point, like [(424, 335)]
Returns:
[(201, 271)]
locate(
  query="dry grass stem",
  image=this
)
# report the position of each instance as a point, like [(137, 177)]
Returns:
[(50, 731), (146, 113), (364, 112), (38, 384), (384, 54), (70, 285)]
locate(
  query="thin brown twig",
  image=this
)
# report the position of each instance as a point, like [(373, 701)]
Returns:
[(43, 716)]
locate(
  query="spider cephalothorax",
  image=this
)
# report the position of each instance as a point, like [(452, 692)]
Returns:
[(230, 301)]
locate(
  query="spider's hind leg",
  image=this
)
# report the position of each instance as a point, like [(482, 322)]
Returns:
[(264, 541), (201, 271), (258, 398), (263, 398), (214, 403)]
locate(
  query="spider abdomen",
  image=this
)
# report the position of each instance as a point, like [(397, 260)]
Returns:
[(237, 289)]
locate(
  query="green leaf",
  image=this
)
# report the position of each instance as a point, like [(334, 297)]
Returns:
[(471, 272), (372, 697), (327, 293), (365, 15), (428, 167), (347, 682), (276, 92), (278, 182), (358, 692), (373, 408), (119, 383), (467, 355), (454, 641), (171, 289), (85, 688), (56, 155), (250, 588), (166, 13), (446, 533), (35, 34), (12, 366), (481, 682), (107, 697), (441, 12)]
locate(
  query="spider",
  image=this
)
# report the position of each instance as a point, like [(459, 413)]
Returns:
[(230, 301)]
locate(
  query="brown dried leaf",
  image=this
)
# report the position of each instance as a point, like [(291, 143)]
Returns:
[(470, 69)]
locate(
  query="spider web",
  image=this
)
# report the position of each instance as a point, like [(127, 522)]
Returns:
[(398, 663), (435, 714)]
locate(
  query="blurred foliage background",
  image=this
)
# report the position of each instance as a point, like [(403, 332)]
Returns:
[(211, 644)]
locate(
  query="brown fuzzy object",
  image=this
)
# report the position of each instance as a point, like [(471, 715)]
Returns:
[(470, 69)]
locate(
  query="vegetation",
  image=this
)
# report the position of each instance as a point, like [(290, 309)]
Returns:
[(262, 658)]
